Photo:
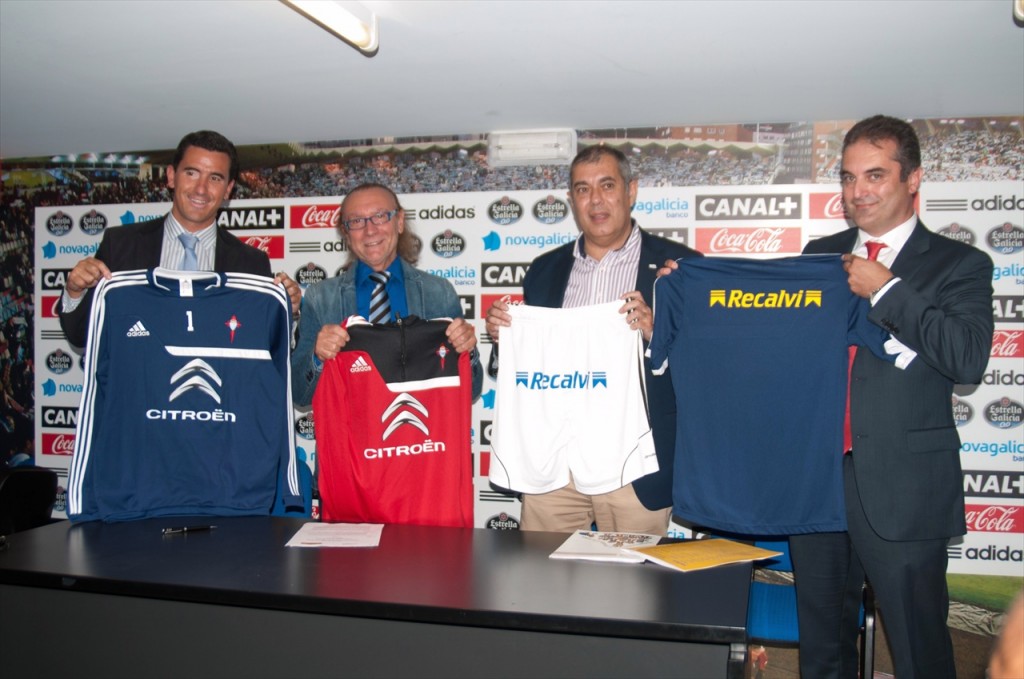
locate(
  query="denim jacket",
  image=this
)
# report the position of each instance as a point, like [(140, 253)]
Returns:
[(334, 300)]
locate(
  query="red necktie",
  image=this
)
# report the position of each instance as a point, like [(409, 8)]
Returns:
[(874, 247)]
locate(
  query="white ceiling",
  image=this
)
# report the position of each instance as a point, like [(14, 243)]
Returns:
[(131, 75)]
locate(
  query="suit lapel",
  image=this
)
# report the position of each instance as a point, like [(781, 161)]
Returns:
[(150, 244), (912, 256)]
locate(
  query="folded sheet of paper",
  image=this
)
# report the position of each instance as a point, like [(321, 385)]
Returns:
[(315, 534), (693, 555), (603, 546)]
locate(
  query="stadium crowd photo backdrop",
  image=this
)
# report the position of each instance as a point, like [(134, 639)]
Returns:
[(752, 190)]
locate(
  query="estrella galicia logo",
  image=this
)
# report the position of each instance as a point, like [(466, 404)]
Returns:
[(503, 521), (304, 427), (1004, 413), (957, 231), (1006, 239), (59, 362), (92, 222), (310, 274), (505, 211), (448, 244), (200, 375), (573, 380), (962, 412), (550, 210), (59, 223), (492, 242)]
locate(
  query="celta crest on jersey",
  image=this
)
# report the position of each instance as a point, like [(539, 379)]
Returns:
[(574, 380), (233, 325)]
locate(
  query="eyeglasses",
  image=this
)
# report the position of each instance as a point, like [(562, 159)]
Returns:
[(380, 219)]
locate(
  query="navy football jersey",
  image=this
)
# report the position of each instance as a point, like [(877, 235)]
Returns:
[(186, 404), (759, 358)]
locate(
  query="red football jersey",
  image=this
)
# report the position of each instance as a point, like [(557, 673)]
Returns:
[(392, 418)]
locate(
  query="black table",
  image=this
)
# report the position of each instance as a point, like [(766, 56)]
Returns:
[(123, 600)]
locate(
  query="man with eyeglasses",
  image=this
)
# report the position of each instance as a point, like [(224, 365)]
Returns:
[(373, 225)]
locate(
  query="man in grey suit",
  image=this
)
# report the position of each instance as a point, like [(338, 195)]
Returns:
[(201, 178), (902, 477)]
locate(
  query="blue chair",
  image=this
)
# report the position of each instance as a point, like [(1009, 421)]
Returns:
[(771, 611)]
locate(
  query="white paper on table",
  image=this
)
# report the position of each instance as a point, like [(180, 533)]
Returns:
[(316, 534)]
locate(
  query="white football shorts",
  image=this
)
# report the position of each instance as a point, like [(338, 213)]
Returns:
[(571, 398)]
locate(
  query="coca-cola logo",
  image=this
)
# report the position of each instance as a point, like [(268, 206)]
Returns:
[(272, 245), (765, 240), (827, 206), (58, 444), (994, 519), (1008, 344), (315, 216), (49, 306)]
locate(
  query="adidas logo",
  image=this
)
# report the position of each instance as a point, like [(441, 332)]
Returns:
[(360, 366), (138, 330)]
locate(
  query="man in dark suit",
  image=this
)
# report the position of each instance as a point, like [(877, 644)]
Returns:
[(902, 477), (602, 192), (201, 178)]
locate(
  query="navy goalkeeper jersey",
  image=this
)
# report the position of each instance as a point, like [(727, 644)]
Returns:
[(186, 405), (759, 358)]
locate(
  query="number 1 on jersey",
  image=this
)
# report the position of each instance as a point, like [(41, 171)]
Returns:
[(188, 314)]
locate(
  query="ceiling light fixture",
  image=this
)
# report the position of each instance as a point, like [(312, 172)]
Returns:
[(343, 20), (531, 147)]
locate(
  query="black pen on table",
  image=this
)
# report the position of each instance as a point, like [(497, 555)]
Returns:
[(184, 530)]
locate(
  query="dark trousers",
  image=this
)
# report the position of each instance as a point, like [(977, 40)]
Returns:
[(909, 580)]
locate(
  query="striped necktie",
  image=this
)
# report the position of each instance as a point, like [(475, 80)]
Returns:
[(380, 305), (190, 262)]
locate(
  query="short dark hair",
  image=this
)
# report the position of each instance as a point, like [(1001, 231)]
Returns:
[(593, 154), (880, 128), (210, 141), (408, 244)]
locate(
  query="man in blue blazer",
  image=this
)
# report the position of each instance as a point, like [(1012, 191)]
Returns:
[(372, 222), (201, 177), (903, 483), (602, 192)]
